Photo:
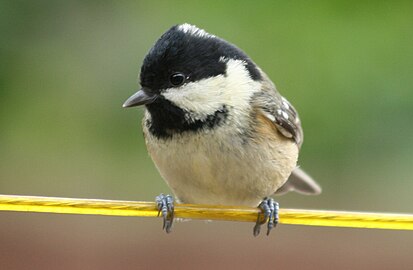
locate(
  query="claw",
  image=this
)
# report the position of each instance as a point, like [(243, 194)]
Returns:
[(165, 205), (269, 208)]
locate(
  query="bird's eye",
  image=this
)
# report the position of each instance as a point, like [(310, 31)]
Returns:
[(177, 79)]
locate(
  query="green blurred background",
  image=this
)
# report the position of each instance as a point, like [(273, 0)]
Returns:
[(67, 66)]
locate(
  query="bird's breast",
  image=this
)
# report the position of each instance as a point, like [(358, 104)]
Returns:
[(222, 166)]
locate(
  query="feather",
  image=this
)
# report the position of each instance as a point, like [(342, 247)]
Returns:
[(299, 181)]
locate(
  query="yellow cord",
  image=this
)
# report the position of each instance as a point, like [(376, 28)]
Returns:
[(208, 212)]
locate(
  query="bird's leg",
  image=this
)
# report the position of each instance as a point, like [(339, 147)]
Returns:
[(269, 208), (165, 205)]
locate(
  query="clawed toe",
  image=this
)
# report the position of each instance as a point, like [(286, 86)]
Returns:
[(269, 208), (165, 205)]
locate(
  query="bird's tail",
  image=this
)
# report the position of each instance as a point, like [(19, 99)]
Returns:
[(299, 181)]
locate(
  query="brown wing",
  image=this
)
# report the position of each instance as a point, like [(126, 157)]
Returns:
[(279, 111), (286, 119)]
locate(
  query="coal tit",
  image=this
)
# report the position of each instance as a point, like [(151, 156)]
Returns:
[(216, 127)]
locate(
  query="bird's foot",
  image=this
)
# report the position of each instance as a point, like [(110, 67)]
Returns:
[(269, 208), (165, 205)]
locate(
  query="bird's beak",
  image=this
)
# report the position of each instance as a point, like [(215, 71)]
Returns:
[(141, 97)]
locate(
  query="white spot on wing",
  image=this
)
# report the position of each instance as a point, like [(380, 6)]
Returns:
[(284, 132), (282, 114), (193, 30), (285, 103), (270, 116)]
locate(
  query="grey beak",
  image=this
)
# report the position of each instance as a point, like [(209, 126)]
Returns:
[(140, 98)]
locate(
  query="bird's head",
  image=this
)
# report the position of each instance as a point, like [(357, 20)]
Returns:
[(193, 73)]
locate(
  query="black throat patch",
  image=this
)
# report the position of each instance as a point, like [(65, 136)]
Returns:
[(168, 119)]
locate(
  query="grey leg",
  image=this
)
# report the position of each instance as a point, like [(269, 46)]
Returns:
[(269, 208), (165, 205)]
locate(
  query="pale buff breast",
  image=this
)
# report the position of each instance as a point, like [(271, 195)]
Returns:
[(219, 167)]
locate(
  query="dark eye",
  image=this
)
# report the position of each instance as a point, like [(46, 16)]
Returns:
[(177, 79)]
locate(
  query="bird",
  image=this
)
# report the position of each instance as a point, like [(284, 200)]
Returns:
[(216, 127)]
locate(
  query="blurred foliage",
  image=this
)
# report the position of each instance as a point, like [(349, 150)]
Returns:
[(67, 66)]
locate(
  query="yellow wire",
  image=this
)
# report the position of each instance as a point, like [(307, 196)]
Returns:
[(209, 212)]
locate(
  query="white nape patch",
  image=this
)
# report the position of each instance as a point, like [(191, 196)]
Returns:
[(193, 30), (205, 97)]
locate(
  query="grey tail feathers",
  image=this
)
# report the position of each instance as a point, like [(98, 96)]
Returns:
[(299, 181)]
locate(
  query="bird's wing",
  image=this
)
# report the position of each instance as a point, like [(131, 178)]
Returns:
[(277, 109), (284, 116)]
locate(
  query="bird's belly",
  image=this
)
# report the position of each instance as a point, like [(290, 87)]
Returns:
[(221, 171)]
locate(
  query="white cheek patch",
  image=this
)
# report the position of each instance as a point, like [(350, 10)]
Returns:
[(205, 97)]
